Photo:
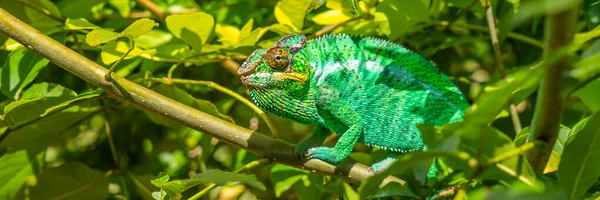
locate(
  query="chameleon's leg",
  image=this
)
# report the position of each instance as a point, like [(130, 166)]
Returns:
[(339, 116), (316, 139)]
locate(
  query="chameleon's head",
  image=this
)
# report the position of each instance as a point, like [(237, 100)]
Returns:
[(278, 68)]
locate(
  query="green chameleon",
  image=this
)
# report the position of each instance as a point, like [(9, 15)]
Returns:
[(364, 89)]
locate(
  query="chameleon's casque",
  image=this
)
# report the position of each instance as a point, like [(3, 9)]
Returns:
[(365, 89)]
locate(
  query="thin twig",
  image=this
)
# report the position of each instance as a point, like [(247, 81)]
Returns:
[(514, 115), (248, 166), (111, 143), (330, 28), (152, 7), (77, 43), (511, 35)]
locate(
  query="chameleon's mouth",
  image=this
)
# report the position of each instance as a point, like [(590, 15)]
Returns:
[(257, 80), (264, 80)]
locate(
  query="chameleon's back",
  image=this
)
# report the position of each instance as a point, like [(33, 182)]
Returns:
[(392, 88)]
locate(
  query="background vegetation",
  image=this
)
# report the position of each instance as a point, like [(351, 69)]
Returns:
[(529, 69)]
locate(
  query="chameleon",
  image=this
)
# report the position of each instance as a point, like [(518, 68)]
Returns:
[(366, 90)]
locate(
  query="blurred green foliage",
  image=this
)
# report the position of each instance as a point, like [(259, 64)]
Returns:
[(62, 138)]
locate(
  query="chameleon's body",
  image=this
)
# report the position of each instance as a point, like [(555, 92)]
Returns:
[(366, 90)]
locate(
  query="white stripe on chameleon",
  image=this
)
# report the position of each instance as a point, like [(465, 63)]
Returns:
[(328, 68), (352, 65), (374, 66)]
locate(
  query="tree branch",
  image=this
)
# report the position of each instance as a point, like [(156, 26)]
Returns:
[(560, 28), (144, 98)]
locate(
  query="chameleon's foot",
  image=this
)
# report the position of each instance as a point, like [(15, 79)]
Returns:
[(383, 164), (327, 154), (302, 149)]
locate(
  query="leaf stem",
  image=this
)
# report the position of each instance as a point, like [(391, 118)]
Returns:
[(241, 169), (108, 75), (172, 69)]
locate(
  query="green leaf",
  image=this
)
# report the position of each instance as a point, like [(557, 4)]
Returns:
[(515, 191), (194, 29), (182, 96), (252, 38), (247, 28), (160, 195), (493, 100), (352, 4), (589, 95), (396, 17), (581, 38), (81, 97), (143, 185), (46, 90), (100, 36), (34, 102), (564, 133), (76, 179), (46, 5), (283, 177), (579, 169), (493, 143), (349, 193), (79, 24), (153, 39), (36, 136), (404, 162), (17, 169), (122, 6), (211, 176), (228, 35), (292, 13), (20, 69), (394, 189), (308, 189), (79, 8), (139, 27), (530, 9), (331, 17)]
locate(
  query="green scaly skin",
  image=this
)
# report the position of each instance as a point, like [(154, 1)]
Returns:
[(365, 89)]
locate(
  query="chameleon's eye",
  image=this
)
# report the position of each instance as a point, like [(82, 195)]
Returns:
[(278, 58)]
